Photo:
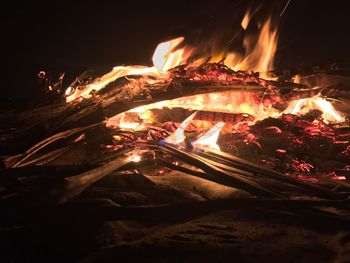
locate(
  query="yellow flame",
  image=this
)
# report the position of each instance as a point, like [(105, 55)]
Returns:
[(303, 106), (209, 139), (179, 135)]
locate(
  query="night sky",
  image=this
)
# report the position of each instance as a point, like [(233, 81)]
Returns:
[(62, 36)]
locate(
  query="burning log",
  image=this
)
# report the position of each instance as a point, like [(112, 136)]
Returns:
[(177, 115)]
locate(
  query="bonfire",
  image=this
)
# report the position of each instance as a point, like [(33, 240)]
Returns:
[(221, 117)]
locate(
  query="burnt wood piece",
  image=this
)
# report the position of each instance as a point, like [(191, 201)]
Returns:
[(178, 115), (239, 163), (218, 175)]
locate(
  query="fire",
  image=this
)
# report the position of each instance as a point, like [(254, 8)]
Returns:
[(136, 158), (303, 106), (179, 135), (164, 58), (260, 54), (246, 20), (167, 55), (209, 139), (228, 101), (242, 102), (258, 57), (100, 83), (124, 121), (253, 117)]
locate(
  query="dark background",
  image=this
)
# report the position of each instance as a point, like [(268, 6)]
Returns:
[(78, 35)]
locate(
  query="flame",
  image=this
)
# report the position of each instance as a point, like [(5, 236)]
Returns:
[(246, 20), (303, 106), (100, 83), (179, 135), (209, 139), (227, 101), (121, 121), (260, 53), (242, 102), (165, 56)]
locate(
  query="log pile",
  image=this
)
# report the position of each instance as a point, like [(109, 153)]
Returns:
[(42, 170)]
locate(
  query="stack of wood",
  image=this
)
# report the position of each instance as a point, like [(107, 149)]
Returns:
[(53, 154)]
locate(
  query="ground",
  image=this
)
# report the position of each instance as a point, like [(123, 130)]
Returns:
[(77, 232)]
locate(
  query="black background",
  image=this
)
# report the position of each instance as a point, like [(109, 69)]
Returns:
[(74, 36)]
